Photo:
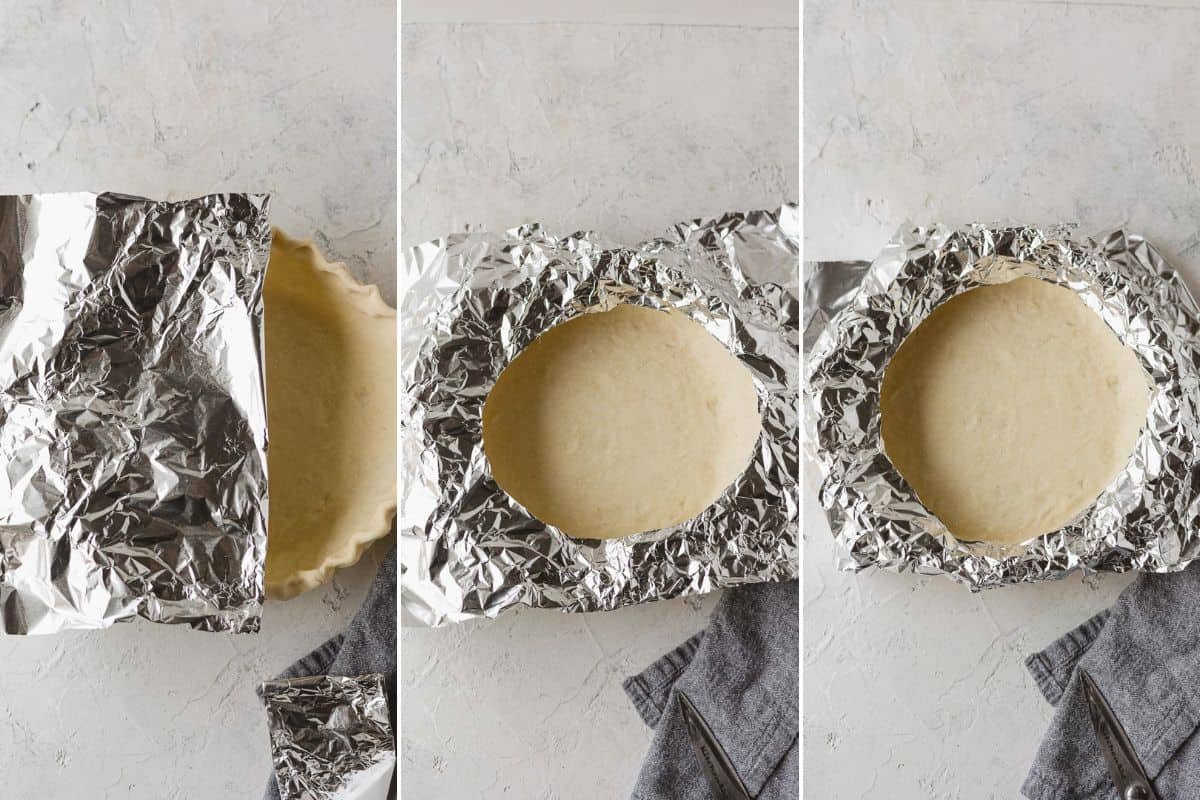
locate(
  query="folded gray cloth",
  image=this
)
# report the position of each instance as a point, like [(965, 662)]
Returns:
[(741, 673), (1144, 654), (367, 646)]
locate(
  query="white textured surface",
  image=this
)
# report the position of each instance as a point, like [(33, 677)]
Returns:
[(177, 99), (760, 13), (1035, 111), (622, 129)]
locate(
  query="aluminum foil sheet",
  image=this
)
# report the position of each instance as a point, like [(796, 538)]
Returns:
[(330, 737), (1144, 520), (472, 302), (829, 286), (133, 426)]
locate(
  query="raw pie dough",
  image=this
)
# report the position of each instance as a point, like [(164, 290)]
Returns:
[(621, 421), (1010, 409), (331, 417)]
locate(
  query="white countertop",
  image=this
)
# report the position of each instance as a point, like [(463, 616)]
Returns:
[(1016, 111), (175, 100), (623, 129)]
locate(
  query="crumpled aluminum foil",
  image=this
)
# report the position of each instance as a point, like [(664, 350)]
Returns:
[(473, 301), (132, 413), (829, 286), (1144, 520), (330, 737)]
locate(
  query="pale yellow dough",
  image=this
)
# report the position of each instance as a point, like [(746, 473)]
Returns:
[(1010, 409), (621, 421), (331, 417)]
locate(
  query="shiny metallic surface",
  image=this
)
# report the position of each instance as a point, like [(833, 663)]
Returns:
[(472, 302), (1124, 767), (829, 286), (132, 411), (1144, 520), (330, 737)]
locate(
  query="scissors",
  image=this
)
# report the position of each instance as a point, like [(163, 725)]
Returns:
[(722, 777), (1126, 770)]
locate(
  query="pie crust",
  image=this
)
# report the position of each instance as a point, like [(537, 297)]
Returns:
[(1011, 408), (621, 421), (331, 415)]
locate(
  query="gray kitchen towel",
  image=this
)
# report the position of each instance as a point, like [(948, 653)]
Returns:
[(742, 674), (367, 646), (1144, 654)]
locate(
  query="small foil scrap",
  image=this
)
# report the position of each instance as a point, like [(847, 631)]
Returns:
[(1146, 519), (330, 737), (133, 427), (472, 302)]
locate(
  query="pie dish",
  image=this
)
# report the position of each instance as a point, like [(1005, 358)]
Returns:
[(331, 415)]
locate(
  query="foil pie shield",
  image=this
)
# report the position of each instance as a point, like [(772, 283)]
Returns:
[(132, 418), (1144, 520), (472, 302), (330, 737)]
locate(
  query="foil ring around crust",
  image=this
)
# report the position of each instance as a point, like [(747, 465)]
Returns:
[(474, 302), (331, 400), (1145, 519)]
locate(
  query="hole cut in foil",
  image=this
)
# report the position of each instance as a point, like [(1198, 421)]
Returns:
[(1010, 408), (621, 421)]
